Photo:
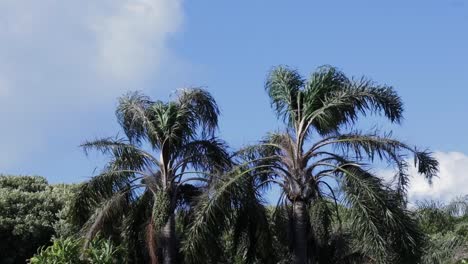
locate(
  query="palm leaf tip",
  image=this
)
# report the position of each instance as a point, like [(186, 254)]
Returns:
[(203, 107), (380, 97), (283, 85), (427, 165)]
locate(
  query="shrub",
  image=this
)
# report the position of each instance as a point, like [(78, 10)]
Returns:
[(70, 250)]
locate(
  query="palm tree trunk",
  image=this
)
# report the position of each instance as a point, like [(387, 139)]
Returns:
[(299, 232), (169, 241)]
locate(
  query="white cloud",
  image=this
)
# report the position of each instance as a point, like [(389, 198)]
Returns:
[(134, 38), (62, 60), (95, 40), (452, 180)]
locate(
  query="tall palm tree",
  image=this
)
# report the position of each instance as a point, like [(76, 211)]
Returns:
[(313, 161), (320, 108), (168, 146)]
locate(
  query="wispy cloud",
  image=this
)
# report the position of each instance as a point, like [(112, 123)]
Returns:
[(59, 59), (451, 182)]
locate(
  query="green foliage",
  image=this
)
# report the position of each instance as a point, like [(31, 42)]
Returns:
[(332, 208), (61, 251), (446, 226), (70, 250), (313, 154), (443, 249), (305, 160), (229, 224), (168, 145), (161, 210), (103, 251), (32, 212), (434, 219)]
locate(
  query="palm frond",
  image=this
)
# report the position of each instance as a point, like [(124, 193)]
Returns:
[(378, 218), (124, 154), (260, 158), (283, 86), (204, 155), (281, 228), (442, 249), (202, 108), (134, 229), (214, 210), (109, 210), (341, 106), (131, 114), (90, 194), (251, 232), (371, 146), (320, 218)]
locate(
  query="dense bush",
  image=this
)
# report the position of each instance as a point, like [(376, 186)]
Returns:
[(32, 212), (446, 227), (70, 250), (61, 251)]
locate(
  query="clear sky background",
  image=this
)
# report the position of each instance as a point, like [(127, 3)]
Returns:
[(63, 65)]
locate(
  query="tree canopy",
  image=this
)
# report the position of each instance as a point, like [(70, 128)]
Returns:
[(32, 212), (173, 192)]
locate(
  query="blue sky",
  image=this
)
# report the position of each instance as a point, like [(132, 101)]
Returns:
[(62, 66)]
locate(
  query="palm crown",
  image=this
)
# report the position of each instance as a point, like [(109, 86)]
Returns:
[(324, 104), (143, 188)]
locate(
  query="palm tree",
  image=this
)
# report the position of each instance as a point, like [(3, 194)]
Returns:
[(314, 162), (320, 108), (148, 177)]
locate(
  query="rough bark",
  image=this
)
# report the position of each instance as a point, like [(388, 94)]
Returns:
[(299, 232), (169, 242)]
